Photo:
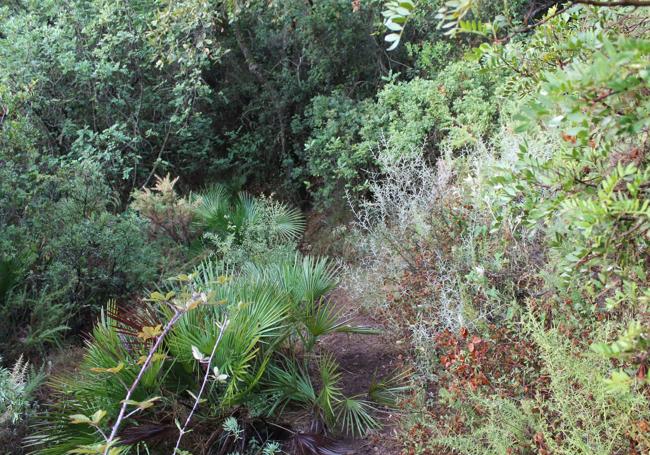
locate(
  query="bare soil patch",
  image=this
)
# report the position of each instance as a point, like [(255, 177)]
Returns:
[(362, 358)]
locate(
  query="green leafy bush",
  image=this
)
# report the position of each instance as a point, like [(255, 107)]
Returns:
[(554, 420), (16, 389), (243, 218), (169, 215), (591, 190), (67, 252), (236, 228), (112, 104), (205, 90), (453, 111), (537, 235)]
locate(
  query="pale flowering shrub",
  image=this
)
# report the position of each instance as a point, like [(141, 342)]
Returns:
[(17, 387), (429, 248)]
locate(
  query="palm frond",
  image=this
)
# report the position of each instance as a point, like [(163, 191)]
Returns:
[(289, 382), (330, 392), (247, 208), (128, 321), (147, 432), (354, 416), (222, 213), (257, 313), (316, 444), (388, 390), (305, 278), (214, 209), (210, 273), (322, 318), (287, 222), (52, 432)]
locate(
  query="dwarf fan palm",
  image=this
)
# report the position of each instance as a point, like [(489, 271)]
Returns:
[(260, 355), (289, 382), (223, 214), (307, 281)]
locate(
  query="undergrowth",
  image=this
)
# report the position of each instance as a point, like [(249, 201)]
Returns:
[(517, 269)]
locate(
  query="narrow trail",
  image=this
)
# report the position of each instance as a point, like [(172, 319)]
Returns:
[(363, 357)]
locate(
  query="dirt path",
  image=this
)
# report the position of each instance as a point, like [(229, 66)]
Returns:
[(363, 357)]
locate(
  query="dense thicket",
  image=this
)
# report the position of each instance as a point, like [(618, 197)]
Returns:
[(491, 169), (98, 97), (206, 90)]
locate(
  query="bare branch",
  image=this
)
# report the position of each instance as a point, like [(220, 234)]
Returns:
[(613, 3), (121, 416), (197, 399), (4, 110)]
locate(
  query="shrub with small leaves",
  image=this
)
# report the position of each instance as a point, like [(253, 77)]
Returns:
[(168, 213)]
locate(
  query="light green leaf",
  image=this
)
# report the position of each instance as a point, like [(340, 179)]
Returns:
[(98, 416), (79, 418), (619, 383)]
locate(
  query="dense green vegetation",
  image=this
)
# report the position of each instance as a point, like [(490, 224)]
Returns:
[(170, 172)]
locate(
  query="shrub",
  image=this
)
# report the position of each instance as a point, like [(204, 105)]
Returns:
[(68, 253), (168, 213), (590, 191), (240, 229), (265, 354), (538, 264), (17, 387), (589, 194), (233, 227), (426, 241), (450, 112), (569, 410)]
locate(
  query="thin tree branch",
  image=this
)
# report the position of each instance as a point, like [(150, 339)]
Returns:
[(197, 399), (129, 393), (613, 3), (255, 70), (4, 110), (543, 21), (161, 150), (607, 3)]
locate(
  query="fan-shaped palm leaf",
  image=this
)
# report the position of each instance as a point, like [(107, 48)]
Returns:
[(304, 278), (214, 212), (388, 390), (287, 222), (316, 444), (223, 214), (289, 382), (354, 416)]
